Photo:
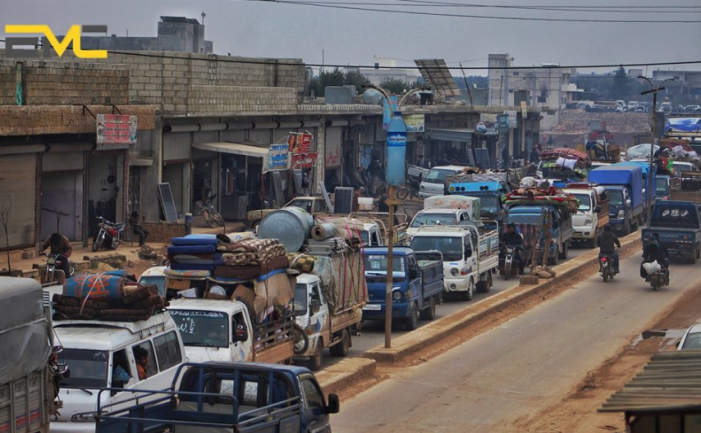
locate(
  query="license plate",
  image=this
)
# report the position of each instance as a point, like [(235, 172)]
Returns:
[(372, 307), (51, 261)]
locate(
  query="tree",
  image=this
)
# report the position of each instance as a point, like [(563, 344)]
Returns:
[(337, 78), (356, 79), (621, 85), (394, 86)]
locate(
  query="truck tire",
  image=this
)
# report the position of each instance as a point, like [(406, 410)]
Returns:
[(555, 259), (430, 312), (470, 292), (565, 250), (314, 362), (485, 286), (412, 322), (340, 349), (301, 339)]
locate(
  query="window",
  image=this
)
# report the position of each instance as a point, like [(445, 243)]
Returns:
[(168, 350), (88, 368), (300, 300), (316, 293), (151, 368), (121, 370), (312, 394), (239, 327), (692, 342), (450, 246), (319, 206), (202, 328)]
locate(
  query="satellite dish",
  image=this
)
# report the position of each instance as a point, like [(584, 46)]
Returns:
[(372, 97)]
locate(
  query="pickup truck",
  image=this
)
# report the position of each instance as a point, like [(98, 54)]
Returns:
[(223, 397), (328, 307), (679, 227), (490, 195), (373, 228), (417, 286), (315, 205), (530, 218), (624, 187), (592, 213), (434, 183), (687, 188), (662, 187), (470, 254)]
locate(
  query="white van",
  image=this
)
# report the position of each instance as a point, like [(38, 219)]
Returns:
[(434, 182), (96, 351), (155, 276)]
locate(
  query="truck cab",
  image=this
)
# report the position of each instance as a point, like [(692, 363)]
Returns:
[(619, 209), (530, 219), (679, 226), (588, 222), (434, 182), (490, 197), (432, 217), (94, 350), (662, 186), (155, 276)]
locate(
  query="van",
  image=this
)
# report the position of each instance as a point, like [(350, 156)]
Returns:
[(434, 182), (155, 276), (96, 351)]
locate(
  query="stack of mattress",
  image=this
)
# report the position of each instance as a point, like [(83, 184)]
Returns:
[(251, 259), (565, 161), (541, 196), (195, 253)]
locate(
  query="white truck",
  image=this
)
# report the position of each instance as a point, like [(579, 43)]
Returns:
[(328, 304), (434, 182), (445, 210), (26, 385), (470, 254), (592, 213)]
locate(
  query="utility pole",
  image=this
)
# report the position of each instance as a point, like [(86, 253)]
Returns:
[(653, 127)]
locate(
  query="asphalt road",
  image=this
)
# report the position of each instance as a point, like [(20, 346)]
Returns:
[(372, 334), (519, 368)]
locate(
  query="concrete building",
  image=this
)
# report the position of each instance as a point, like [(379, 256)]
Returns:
[(180, 34), (686, 83), (547, 87)]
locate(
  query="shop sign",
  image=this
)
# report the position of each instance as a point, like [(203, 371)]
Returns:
[(116, 129), (486, 128), (503, 122), (299, 142), (524, 109), (278, 157), (303, 161), (415, 122), (512, 120)]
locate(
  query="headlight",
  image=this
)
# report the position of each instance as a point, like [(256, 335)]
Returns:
[(454, 272), (397, 295), (621, 214), (84, 417), (587, 221)]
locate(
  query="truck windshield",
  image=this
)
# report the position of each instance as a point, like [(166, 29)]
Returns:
[(525, 218), (662, 185), (157, 281), (680, 167), (300, 301), (202, 328), (377, 264), (451, 246), (437, 175), (489, 203), (584, 202), (88, 368), (615, 198), (433, 219), (692, 342)]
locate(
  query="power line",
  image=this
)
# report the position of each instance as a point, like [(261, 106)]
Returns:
[(485, 17)]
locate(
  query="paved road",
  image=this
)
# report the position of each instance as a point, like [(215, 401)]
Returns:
[(517, 369), (373, 331)]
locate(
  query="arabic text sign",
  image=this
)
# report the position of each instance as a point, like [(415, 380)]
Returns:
[(299, 142), (278, 157), (415, 123), (304, 161), (116, 129)]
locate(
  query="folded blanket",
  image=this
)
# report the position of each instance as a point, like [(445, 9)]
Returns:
[(254, 251), (251, 272), (197, 259)]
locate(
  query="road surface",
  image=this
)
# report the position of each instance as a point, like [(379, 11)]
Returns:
[(519, 368), (373, 331)]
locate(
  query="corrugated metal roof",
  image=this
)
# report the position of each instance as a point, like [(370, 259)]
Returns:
[(670, 381)]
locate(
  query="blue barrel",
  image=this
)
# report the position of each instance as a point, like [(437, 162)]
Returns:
[(396, 150)]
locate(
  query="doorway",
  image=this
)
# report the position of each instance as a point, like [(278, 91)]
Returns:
[(62, 192)]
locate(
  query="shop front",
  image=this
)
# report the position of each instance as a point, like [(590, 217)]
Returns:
[(450, 146), (18, 182)]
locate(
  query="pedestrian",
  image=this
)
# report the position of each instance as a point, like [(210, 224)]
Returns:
[(136, 220), (359, 177), (360, 192), (305, 182)]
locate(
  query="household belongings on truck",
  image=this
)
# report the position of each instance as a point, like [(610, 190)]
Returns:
[(600, 146), (253, 271), (565, 162), (110, 296), (542, 196), (471, 204)]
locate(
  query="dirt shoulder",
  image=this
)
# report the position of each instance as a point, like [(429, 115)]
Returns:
[(578, 412)]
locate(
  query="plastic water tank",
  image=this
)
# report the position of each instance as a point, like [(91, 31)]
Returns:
[(292, 226), (372, 97)]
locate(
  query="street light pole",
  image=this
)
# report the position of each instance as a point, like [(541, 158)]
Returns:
[(653, 126)]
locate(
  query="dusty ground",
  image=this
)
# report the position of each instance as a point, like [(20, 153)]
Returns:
[(578, 412)]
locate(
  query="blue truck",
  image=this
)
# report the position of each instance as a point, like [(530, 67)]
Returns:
[(650, 193), (224, 397), (417, 285), (679, 226), (662, 186), (624, 187), (490, 195), (530, 221)]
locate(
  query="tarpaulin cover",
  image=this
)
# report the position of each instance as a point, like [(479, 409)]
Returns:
[(343, 278), (273, 289), (195, 240), (24, 336), (683, 124), (618, 175)]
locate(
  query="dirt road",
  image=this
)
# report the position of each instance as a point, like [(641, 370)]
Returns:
[(495, 381)]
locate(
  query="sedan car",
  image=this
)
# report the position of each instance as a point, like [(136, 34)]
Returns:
[(691, 339)]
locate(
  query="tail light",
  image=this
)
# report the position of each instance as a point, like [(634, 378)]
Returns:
[(463, 272), (113, 232)]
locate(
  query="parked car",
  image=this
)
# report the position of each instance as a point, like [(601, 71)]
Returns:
[(691, 339)]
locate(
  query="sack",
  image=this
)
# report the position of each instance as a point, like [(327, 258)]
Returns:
[(652, 268)]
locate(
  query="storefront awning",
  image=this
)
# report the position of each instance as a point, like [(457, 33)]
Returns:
[(461, 135), (235, 148)]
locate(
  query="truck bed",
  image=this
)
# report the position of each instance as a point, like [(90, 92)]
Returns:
[(432, 276), (680, 195), (273, 341), (347, 318)]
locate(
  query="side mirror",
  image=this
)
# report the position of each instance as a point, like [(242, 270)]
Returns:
[(597, 209), (316, 306), (334, 404), (240, 333), (468, 253), (628, 202)]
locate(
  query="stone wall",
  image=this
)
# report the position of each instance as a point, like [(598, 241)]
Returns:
[(230, 99), (576, 121), (163, 232)]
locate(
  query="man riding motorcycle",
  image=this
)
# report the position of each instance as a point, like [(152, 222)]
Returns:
[(61, 248), (608, 242), (654, 251), (514, 239)]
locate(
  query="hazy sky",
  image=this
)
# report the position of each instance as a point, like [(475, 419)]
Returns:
[(280, 30)]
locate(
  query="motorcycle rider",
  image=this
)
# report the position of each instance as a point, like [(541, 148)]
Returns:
[(514, 239), (61, 248), (655, 251), (608, 242)]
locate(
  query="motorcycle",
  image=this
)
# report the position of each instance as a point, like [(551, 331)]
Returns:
[(53, 262), (206, 209), (606, 267), (506, 262), (659, 279), (109, 234)]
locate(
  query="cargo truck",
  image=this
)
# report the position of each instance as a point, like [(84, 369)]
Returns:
[(592, 212), (624, 187)]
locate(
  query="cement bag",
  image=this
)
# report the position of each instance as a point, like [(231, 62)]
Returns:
[(273, 289), (652, 268)]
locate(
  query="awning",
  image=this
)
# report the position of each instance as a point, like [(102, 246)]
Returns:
[(461, 135), (234, 148)]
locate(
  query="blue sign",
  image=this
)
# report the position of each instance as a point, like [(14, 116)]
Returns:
[(387, 110), (278, 157), (396, 151)]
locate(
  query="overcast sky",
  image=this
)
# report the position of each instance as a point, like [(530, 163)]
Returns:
[(280, 30)]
